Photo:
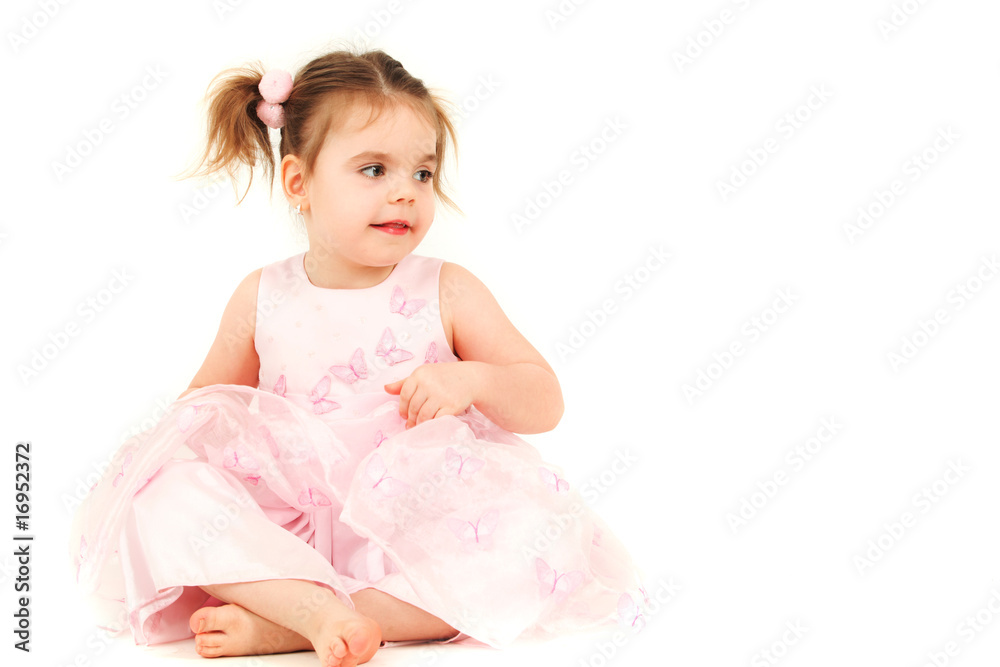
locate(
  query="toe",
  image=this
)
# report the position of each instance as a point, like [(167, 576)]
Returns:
[(197, 618), (207, 645), (338, 648), (363, 640)]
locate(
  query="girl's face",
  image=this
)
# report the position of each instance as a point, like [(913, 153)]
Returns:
[(371, 196)]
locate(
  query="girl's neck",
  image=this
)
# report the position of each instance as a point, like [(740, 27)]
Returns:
[(339, 274)]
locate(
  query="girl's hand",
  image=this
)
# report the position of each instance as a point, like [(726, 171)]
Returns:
[(434, 390)]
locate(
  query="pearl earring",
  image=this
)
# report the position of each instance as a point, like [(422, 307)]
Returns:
[(298, 209)]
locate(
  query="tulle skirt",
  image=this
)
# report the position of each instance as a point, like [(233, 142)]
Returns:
[(455, 515)]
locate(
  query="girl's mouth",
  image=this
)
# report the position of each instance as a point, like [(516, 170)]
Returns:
[(393, 227)]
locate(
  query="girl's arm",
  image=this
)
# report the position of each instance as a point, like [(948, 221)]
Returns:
[(500, 372), (233, 359)]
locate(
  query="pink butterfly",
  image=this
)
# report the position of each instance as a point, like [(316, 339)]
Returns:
[(280, 386), (357, 369), (120, 476), (186, 417), (272, 444), (82, 557), (239, 458), (313, 497), (462, 467), (379, 439), (253, 479), (480, 532), (386, 348), (553, 481), (431, 356), (399, 304), (322, 405), (378, 473), (555, 584), (629, 615)]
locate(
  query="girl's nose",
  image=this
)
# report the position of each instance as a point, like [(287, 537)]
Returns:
[(402, 189)]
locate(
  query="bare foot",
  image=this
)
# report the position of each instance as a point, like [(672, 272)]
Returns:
[(232, 630), (344, 640), (347, 640)]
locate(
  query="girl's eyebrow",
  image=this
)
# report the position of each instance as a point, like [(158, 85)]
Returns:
[(385, 157)]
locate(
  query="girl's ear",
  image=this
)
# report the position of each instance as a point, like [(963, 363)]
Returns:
[(293, 182)]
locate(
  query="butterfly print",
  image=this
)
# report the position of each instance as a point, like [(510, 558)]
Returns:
[(379, 439), (555, 584), (280, 386), (386, 348), (322, 405), (355, 370), (553, 481), (272, 444), (629, 615), (239, 458), (378, 477), (82, 557), (478, 533), (313, 497), (462, 467), (399, 304), (431, 355), (186, 417), (120, 476)]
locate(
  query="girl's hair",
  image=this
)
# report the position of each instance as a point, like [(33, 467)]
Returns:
[(322, 92)]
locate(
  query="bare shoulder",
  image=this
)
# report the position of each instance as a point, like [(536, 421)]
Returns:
[(246, 291), (480, 329), (460, 284)]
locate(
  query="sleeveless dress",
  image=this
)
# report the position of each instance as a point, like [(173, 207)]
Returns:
[(312, 475)]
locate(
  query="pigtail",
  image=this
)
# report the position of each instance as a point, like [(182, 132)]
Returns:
[(237, 137)]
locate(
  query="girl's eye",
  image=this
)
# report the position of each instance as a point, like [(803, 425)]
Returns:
[(378, 167), (423, 175)]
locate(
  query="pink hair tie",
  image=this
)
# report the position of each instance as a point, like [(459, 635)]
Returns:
[(275, 87)]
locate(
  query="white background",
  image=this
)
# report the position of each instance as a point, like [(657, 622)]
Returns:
[(685, 127)]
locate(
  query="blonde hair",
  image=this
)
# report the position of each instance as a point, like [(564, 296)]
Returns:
[(322, 92)]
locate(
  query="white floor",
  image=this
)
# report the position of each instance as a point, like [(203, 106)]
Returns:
[(594, 650)]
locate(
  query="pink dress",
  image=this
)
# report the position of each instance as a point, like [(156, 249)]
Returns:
[(313, 476)]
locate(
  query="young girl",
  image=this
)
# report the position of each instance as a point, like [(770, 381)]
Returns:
[(355, 479)]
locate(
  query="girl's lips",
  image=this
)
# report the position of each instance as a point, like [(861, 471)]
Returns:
[(396, 227)]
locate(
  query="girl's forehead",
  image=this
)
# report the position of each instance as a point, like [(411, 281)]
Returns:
[(394, 132), (389, 123)]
